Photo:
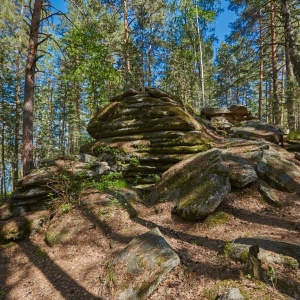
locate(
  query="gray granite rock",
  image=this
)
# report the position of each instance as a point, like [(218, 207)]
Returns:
[(231, 294), (268, 194), (142, 266)]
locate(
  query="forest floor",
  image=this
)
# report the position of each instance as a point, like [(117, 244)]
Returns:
[(76, 268)]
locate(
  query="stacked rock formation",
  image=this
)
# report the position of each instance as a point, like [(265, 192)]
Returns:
[(142, 134), (233, 114)]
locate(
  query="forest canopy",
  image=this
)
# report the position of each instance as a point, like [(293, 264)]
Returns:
[(58, 68)]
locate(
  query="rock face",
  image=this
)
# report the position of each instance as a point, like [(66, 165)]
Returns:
[(143, 134), (198, 184), (142, 265)]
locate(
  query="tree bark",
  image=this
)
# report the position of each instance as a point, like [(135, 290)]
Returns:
[(126, 44), (27, 150), (275, 99), (200, 59), (17, 120), (291, 84), (290, 35), (261, 71), (3, 173)]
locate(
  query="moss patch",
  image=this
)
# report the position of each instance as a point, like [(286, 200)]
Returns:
[(218, 218)]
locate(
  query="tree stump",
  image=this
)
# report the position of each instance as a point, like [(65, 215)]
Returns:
[(254, 268)]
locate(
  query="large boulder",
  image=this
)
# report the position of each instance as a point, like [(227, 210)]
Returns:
[(279, 172), (198, 184), (142, 134), (142, 266)]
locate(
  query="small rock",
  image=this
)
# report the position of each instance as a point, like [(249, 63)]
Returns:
[(269, 194), (231, 294)]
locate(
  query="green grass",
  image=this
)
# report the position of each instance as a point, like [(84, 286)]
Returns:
[(219, 218), (293, 135), (112, 180)]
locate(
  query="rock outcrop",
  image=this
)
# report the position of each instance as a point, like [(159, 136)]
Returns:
[(143, 134), (198, 185), (256, 130), (34, 190), (224, 118)]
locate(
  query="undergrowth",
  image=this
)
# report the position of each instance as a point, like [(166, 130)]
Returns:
[(293, 135), (68, 185)]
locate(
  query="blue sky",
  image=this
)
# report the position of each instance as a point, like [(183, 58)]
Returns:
[(222, 23)]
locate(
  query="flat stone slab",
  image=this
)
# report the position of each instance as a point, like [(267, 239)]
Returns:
[(142, 266)]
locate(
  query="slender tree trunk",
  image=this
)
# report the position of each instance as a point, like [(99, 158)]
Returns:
[(261, 70), (282, 97), (150, 57), (126, 44), (63, 122), (200, 59), (17, 120), (291, 84), (291, 92), (238, 90), (78, 124), (291, 39), (27, 150), (3, 167), (51, 133), (275, 98)]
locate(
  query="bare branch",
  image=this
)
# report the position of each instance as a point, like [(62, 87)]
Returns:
[(43, 40)]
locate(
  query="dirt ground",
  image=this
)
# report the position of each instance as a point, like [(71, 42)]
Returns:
[(75, 268)]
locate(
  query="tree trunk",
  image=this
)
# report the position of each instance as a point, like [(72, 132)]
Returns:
[(200, 59), (261, 70), (3, 174), (27, 150), (78, 123), (275, 99), (291, 85), (291, 38), (126, 44), (17, 120), (150, 56)]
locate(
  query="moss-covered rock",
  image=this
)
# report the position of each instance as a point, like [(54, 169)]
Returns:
[(196, 185), (279, 172), (140, 267), (64, 228)]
